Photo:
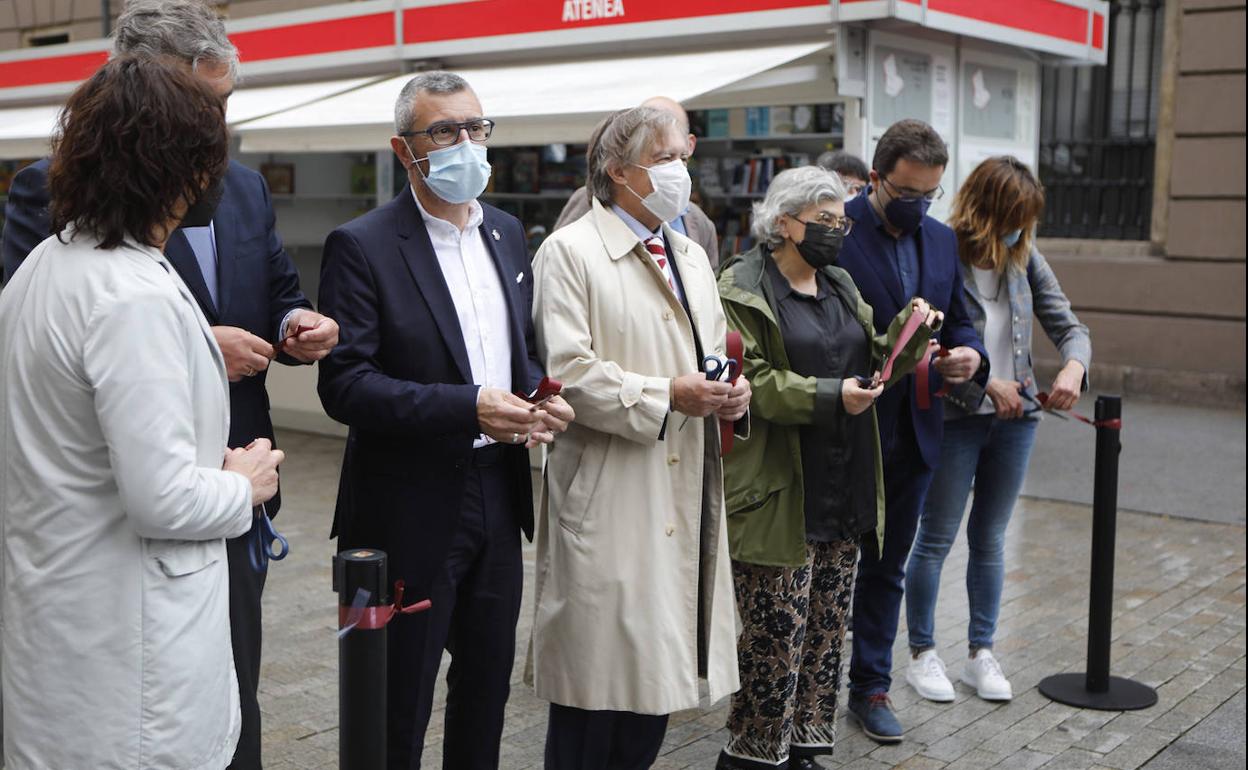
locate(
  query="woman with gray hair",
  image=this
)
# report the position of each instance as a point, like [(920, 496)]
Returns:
[(807, 485), (634, 590)]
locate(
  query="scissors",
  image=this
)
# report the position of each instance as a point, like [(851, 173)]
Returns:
[(1039, 406), (263, 536), (719, 368)]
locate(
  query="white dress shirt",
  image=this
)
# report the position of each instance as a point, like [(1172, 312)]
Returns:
[(477, 292)]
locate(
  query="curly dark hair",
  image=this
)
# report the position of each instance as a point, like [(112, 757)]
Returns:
[(136, 143)]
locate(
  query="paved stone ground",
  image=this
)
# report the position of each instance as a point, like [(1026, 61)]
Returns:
[(1178, 626)]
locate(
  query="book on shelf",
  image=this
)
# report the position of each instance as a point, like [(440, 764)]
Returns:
[(781, 120), (717, 124), (749, 175), (524, 172), (757, 121)]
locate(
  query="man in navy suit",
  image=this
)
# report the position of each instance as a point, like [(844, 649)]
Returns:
[(896, 252), (232, 259), (434, 292)]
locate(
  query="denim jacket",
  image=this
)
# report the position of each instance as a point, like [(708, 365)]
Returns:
[(1034, 294)]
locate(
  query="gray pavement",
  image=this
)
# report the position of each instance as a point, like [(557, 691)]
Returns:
[(1176, 461), (1216, 743), (1179, 626)]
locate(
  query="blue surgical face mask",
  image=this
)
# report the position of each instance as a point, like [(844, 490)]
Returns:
[(1011, 238), (459, 173)]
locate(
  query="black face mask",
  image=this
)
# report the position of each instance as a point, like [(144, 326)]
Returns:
[(822, 245), (202, 210)]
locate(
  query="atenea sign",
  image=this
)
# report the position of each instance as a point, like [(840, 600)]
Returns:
[(589, 10)]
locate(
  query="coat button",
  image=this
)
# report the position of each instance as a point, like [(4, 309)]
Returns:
[(673, 459), (670, 529), (667, 315)]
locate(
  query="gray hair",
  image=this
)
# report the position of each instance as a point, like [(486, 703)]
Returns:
[(435, 82), (789, 193), (188, 30), (621, 142)]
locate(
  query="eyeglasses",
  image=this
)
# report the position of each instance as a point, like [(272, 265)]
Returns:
[(445, 133), (836, 223), (907, 194)]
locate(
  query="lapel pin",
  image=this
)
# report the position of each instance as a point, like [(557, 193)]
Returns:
[(519, 278), (494, 233)]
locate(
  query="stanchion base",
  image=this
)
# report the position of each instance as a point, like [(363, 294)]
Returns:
[(1122, 695)]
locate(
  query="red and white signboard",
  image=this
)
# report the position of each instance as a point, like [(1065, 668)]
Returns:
[(1072, 28), (383, 33)]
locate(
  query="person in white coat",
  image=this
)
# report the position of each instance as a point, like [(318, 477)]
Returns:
[(634, 588), (117, 491)]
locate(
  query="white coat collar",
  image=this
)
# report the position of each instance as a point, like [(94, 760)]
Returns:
[(619, 239)]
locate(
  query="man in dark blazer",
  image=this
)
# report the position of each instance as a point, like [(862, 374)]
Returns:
[(895, 252), (244, 281), (434, 293)]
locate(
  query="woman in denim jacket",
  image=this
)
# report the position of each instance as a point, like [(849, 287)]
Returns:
[(987, 441)]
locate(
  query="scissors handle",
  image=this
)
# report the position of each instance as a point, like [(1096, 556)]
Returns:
[(716, 367), (263, 536)]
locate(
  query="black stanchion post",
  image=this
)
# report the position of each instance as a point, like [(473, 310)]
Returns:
[(1096, 689), (361, 659)]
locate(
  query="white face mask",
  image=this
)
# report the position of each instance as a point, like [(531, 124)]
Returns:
[(672, 187)]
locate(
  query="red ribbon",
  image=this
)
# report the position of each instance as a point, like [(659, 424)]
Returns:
[(734, 350), (1115, 424), (922, 377), (922, 372), (372, 618), (912, 325)]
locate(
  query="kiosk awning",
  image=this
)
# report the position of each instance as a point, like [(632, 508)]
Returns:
[(26, 132), (533, 103)]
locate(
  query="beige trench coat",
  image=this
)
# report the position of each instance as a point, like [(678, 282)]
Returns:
[(632, 548)]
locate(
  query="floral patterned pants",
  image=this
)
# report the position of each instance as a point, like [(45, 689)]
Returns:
[(789, 653)]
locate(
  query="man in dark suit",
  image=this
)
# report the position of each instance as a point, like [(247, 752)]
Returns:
[(896, 252), (232, 260), (434, 292)]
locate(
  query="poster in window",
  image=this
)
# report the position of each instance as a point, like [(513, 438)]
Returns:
[(901, 86), (989, 101)]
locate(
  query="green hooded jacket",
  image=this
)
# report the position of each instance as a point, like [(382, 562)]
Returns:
[(763, 487)]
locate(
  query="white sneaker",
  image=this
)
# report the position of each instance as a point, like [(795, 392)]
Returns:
[(984, 674), (926, 674)]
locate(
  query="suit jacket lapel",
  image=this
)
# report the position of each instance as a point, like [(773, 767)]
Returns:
[(519, 350), (875, 250), (179, 253), (422, 263)]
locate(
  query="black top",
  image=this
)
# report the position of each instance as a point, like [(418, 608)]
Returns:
[(824, 339)]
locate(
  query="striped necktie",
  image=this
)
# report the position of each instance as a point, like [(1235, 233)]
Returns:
[(654, 245)]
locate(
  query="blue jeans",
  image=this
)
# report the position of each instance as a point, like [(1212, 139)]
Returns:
[(992, 455)]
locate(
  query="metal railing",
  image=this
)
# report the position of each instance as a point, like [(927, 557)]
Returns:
[(1098, 128)]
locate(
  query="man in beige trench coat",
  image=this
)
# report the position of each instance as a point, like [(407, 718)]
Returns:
[(634, 588)]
